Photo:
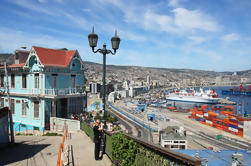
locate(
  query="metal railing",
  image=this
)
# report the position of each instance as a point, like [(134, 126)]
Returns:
[(147, 153), (56, 92), (61, 147)]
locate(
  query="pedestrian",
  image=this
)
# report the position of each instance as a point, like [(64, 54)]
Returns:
[(97, 129)]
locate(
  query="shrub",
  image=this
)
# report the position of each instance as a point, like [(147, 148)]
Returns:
[(124, 150)]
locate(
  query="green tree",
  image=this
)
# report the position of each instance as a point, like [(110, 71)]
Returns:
[(124, 150), (97, 117)]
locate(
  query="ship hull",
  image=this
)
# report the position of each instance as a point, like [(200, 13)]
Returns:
[(192, 99)]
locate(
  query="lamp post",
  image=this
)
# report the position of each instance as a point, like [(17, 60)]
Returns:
[(93, 40)]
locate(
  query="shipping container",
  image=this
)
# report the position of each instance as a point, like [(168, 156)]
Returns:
[(233, 129), (233, 126)]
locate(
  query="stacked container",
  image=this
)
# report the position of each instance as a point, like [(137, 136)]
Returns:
[(224, 120)]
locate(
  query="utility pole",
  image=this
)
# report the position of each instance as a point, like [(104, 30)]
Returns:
[(10, 109)]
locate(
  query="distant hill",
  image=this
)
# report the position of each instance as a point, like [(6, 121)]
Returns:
[(156, 73)]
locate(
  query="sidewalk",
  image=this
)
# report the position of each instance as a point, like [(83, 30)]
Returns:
[(31, 150), (83, 150)]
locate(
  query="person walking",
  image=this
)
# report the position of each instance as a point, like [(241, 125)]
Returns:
[(97, 129)]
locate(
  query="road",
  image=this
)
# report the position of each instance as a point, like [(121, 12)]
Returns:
[(143, 133)]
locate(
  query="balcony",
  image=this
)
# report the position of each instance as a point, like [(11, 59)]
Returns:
[(57, 92), (50, 93)]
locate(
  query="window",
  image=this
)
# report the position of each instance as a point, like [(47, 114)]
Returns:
[(54, 81), (24, 82), (182, 147), (24, 108), (17, 56), (2, 102), (12, 106), (182, 141), (36, 109), (176, 142), (36, 81), (73, 81), (2, 80), (12, 81), (174, 146)]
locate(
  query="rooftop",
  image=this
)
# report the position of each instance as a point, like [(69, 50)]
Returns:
[(222, 157), (54, 57)]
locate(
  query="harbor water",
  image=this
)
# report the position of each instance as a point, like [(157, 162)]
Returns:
[(244, 100)]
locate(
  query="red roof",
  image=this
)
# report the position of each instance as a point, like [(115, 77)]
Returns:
[(54, 57), (14, 65), (17, 65)]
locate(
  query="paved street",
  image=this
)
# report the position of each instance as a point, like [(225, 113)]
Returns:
[(31, 150), (83, 151)]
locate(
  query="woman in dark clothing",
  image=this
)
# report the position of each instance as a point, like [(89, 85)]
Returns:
[(97, 129)]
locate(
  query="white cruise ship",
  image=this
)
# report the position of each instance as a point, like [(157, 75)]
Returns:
[(209, 96)]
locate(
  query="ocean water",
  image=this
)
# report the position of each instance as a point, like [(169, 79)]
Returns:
[(245, 100)]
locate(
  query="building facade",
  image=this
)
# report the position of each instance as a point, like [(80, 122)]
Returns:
[(50, 83), (173, 138)]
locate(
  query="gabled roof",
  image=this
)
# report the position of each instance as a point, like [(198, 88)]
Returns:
[(54, 57)]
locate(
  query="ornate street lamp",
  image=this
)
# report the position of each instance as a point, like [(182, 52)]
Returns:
[(93, 40)]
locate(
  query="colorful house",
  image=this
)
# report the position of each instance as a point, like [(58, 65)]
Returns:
[(43, 83)]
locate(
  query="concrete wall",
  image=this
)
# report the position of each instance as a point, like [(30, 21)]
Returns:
[(4, 132), (247, 130), (57, 124)]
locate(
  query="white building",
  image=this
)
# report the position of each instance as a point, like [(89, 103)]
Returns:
[(218, 80), (123, 93), (148, 80), (112, 96), (94, 87), (126, 85), (173, 137), (186, 82)]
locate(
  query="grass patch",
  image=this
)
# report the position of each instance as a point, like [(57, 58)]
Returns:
[(22, 134), (52, 134)]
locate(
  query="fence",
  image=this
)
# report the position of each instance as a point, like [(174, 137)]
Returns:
[(61, 147), (147, 153)]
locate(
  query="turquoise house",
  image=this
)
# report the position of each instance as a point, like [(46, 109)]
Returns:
[(43, 83)]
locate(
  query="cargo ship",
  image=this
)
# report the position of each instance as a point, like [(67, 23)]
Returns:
[(220, 117), (238, 91), (208, 96)]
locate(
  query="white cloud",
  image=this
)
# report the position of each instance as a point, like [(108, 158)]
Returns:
[(197, 39), (38, 8), (127, 35), (11, 39), (194, 19), (173, 3), (180, 20), (157, 22), (231, 37), (86, 10), (77, 20)]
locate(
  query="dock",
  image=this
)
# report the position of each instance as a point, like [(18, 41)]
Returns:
[(226, 101)]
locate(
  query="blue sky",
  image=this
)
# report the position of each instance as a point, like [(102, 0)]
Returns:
[(195, 34)]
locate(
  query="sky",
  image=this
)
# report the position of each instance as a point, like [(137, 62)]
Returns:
[(192, 34)]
